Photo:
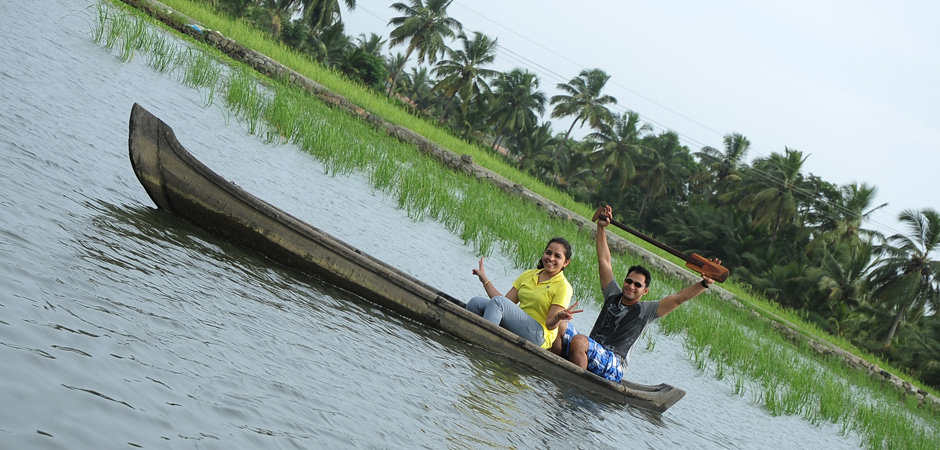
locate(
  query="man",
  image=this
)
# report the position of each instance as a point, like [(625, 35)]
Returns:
[(623, 317)]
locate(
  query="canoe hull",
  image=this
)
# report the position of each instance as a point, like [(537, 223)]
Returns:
[(179, 183)]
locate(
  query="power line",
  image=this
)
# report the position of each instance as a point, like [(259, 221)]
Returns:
[(805, 193), (766, 180)]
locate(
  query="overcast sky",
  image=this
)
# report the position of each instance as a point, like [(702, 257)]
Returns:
[(852, 84)]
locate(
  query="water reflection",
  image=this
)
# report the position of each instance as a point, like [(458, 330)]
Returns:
[(107, 302)]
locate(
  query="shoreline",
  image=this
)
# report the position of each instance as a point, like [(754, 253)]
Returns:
[(464, 163)]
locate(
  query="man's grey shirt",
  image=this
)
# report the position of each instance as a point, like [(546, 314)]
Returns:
[(618, 327)]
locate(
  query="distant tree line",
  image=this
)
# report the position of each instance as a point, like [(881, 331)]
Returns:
[(788, 234)]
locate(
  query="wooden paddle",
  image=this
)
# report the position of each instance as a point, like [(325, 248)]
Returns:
[(709, 268)]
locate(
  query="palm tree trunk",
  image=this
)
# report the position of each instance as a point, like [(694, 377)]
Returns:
[(639, 216), (565, 139), (894, 327), (391, 87), (499, 137), (773, 234), (445, 113), (776, 230)]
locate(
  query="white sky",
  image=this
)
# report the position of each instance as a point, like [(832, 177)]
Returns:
[(852, 84)]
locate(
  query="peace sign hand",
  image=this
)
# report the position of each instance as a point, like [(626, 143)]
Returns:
[(568, 314)]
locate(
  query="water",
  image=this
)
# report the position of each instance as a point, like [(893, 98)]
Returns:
[(122, 326)]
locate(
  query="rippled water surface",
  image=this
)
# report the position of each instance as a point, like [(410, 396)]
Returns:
[(122, 326)]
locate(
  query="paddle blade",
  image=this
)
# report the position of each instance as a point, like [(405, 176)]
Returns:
[(711, 269)]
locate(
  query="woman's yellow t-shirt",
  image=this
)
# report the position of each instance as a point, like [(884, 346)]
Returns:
[(537, 298)]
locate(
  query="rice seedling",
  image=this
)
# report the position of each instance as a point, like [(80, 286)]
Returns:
[(136, 38), (720, 370), (699, 360), (201, 71), (796, 398), (345, 145), (163, 56), (830, 400), (115, 27), (650, 341), (103, 14), (282, 112), (760, 361), (740, 387), (771, 399), (243, 96), (109, 27), (441, 197), (383, 174)]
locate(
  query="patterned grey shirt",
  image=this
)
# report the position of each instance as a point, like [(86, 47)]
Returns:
[(619, 327)]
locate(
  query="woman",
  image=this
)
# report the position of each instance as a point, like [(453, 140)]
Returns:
[(538, 300)]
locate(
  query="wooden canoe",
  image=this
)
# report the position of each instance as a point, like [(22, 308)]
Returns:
[(179, 183)]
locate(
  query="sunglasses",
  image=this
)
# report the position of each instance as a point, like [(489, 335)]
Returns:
[(636, 284)]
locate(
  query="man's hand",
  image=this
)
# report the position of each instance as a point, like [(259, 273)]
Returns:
[(604, 214), (706, 282)]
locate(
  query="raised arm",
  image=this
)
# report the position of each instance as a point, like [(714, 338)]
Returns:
[(491, 290), (671, 302), (604, 268)]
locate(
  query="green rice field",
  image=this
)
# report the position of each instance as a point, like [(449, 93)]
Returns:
[(722, 340)]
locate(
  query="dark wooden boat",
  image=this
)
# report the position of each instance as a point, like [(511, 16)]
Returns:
[(179, 183)]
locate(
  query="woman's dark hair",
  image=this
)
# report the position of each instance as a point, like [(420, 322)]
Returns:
[(557, 240)]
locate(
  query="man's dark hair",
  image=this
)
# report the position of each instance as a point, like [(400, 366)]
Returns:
[(642, 271)]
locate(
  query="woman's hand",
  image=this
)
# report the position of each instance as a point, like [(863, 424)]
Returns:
[(556, 314), (568, 313), (480, 273)]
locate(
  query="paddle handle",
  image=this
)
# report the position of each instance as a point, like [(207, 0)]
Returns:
[(696, 262)]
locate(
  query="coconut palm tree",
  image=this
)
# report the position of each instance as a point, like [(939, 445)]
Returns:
[(663, 168), (417, 88), (906, 280), (573, 167), (772, 190), (365, 67), (517, 104), (463, 71), (395, 64), (840, 277), (619, 145), (582, 99), (372, 44), (724, 166), (705, 230), (469, 120), (534, 149), (234, 8), (423, 27), (920, 351), (323, 13), (329, 45), (272, 14), (841, 218)]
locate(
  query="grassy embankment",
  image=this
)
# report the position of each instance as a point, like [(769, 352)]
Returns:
[(722, 339)]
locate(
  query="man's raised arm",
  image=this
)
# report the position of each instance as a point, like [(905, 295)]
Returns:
[(604, 268)]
